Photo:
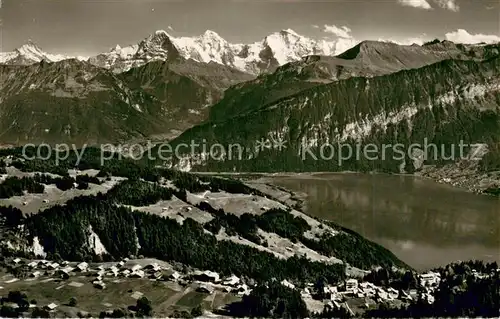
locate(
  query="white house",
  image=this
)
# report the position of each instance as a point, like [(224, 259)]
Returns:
[(51, 306), (114, 270), (205, 289), (175, 275), (241, 290), (430, 279), (53, 266), (83, 266), (231, 281), (67, 269), (351, 285), (126, 272), (137, 274), (206, 275), (136, 268)]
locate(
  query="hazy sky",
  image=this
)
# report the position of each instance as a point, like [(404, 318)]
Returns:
[(86, 27)]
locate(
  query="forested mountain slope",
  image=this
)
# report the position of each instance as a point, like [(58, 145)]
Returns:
[(443, 103)]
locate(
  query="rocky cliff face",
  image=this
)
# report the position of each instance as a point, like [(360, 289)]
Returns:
[(368, 59), (443, 103)]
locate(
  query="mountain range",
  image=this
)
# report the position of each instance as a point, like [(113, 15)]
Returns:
[(263, 56), (77, 102), (285, 87)]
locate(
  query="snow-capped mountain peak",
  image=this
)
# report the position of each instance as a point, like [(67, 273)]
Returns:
[(290, 31), (29, 53), (288, 46), (265, 55), (30, 49), (212, 35)]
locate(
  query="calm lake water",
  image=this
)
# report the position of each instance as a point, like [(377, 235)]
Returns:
[(425, 224)]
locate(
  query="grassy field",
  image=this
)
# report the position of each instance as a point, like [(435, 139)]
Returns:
[(165, 297)]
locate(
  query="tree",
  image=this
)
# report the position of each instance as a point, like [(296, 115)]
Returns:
[(118, 313), (16, 296), (144, 308), (8, 312), (72, 302), (320, 286), (197, 311), (24, 305), (40, 313), (274, 300)]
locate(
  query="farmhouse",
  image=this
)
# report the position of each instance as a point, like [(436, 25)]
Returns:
[(82, 266), (137, 274), (99, 285), (50, 307), (136, 268), (208, 276), (351, 285), (205, 289), (231, 281), (53, 266)]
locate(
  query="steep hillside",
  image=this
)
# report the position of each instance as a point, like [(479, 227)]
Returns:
[(71, 101), (185, 88), (367, 59), (445, 102), (195, 220), (77, 102)]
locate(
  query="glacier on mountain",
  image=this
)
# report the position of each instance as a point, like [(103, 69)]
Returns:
[(272, 51), (30, 53)]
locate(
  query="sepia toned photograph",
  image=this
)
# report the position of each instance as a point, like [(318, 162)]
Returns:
[(249, 159)]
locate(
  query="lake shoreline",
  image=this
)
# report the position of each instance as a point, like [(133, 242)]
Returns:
[(469, 180), (422, 218)]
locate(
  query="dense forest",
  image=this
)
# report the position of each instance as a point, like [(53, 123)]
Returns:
[(15, 186), (63, 232), (346, 245), (272, 300)]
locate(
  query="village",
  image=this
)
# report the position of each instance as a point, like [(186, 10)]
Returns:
[(354, 295)]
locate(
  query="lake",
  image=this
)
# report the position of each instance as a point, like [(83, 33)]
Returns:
[(424, 223)]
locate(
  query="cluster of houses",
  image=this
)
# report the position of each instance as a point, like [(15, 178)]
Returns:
[(336, 296), (208, 281)]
